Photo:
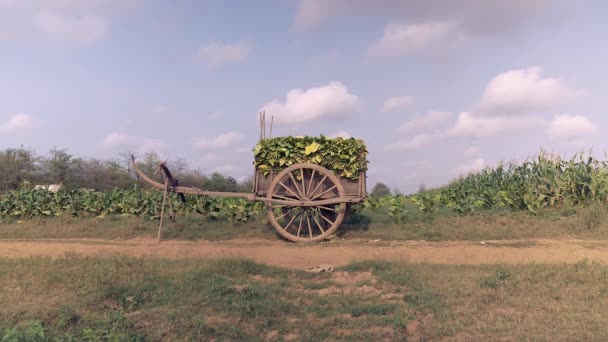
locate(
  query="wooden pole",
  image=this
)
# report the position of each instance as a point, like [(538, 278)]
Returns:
[(261, 126), (162, 208), (271, 120)]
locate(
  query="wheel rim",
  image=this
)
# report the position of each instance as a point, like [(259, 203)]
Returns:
[(305, 182)]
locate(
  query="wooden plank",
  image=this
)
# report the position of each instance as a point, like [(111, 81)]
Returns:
[(352, 187)]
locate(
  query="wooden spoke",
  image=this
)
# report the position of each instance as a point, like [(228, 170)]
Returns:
[(288, 189), (283, 198), (318, 224), (284, 214), (295, 185), (325, 218), (303, 186), (312, 177), (300, 225), (328, 208), (293, 219), (309, 227), (324, 192), (318, 185)]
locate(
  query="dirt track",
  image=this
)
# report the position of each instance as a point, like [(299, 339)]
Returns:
[(337, 253)]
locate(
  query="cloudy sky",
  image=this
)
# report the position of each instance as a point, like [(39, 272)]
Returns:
[(436, 88)]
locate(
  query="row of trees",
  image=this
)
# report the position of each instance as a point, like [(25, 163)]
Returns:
[(20, 166)]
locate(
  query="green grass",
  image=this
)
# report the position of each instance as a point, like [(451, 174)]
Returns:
[(76, 298), (584, 222)]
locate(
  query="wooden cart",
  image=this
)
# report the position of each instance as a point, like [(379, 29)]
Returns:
[(305, 202)]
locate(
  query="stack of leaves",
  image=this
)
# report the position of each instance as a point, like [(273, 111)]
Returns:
[(346, 157)]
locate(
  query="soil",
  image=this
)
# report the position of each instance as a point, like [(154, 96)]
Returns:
[(337, 252)]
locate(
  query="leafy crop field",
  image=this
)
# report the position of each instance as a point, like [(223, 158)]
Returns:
[(26, 204), (544, 183)]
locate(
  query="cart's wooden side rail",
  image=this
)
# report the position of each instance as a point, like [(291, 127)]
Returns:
[(353, 188)]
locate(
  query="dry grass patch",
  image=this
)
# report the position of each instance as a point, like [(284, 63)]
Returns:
[(134, 299)]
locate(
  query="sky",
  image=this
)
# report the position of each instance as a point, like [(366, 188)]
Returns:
[(435, 88)]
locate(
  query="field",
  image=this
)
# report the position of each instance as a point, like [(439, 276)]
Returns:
[(514, 253), (122, 298)]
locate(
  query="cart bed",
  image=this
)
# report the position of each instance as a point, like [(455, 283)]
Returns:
[(353, 188)]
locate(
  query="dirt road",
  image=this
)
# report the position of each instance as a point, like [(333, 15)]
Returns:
[(298, 256)]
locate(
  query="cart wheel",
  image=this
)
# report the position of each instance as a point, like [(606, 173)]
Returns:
[(305, 182)]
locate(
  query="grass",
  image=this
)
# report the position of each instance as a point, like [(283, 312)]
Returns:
[(77, 298), (584, 222)]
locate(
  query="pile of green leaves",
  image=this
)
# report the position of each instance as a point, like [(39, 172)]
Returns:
[(346, 157)]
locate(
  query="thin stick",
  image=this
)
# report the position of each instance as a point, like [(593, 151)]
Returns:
[(264, 124), (173, 212), (261, 126), (162, 209), (271, 120)]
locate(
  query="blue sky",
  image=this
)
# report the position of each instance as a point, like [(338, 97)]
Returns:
[(435, 88)]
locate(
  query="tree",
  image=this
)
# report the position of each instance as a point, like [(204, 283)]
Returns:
[(380, 189), (61, 166), (246, 185), (421, 188), (217, 182), (16, 166)]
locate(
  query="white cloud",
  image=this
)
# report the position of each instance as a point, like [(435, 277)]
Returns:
[(341, 134), (330, 101), (222, 141), (135, 143), (243, 149), (209, 157), (399, 39), (472, 151), (224, 169), (414, 142), (517, 100), (397, 103), (524, 91), (482, 17), (415, 164), (217, 55), (566, 126), (83, 30), (81, 22), (430, 120), (17, 122), (469, 125), (475, 165)]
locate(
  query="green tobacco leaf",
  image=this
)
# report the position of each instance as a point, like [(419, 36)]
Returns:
[(314, 147)]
